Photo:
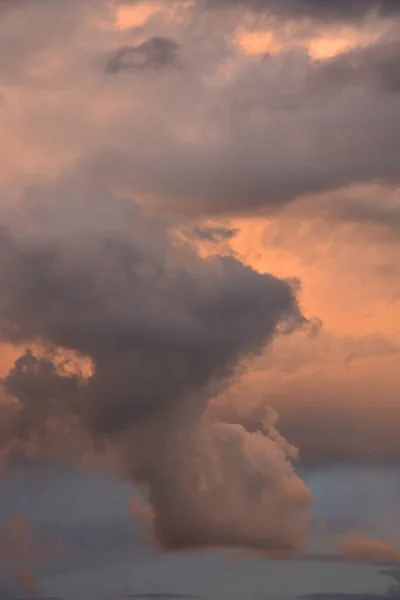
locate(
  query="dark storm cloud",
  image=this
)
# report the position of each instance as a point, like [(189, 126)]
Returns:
[(38, 385), (165, 330), (156, 330), (155, 53)]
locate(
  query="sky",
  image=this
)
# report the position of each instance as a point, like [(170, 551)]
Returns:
[(199, 305)]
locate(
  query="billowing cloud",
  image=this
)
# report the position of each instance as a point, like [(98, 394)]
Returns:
[(165, 331), (223, 133), (99, 287), (333, 418)]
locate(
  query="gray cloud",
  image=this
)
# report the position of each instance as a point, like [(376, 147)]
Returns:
[(162, 329), (223, 133), (333, 428), (376, 67), (395, 573), (272, 134), (38, 385), (213, 234), (373, 443), (319, 10), (155, 53), (165, 330)]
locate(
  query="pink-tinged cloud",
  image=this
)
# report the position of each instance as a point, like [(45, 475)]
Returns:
[(363, 549)]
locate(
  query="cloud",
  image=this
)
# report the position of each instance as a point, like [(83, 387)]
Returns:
[(19, 544), (315, 409), (327, 10), (176, 328), (375, 67), (17, 541), (20, 548), (395, 573), (213, 234), (276, 103), (360, 548), (165, 331), (145, 518), (223, 133), (378, 221), (155, 53), (27, 583)]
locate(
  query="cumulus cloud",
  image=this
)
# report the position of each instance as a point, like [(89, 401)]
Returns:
[(165, 331), (333, 420)]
